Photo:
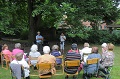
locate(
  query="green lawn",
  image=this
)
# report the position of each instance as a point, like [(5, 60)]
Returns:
[(115, 73)]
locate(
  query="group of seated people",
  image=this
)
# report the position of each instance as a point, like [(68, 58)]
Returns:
[(17, 56), (105, 58)]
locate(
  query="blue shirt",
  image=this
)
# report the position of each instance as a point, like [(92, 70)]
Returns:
[(38, 41), (91, 68)]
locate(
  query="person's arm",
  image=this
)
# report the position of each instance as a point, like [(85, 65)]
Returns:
[(60, 52), (41, 38), (54, 61), (39, 54), (26, 65), (103, 56), (39, 59), (64, 37)]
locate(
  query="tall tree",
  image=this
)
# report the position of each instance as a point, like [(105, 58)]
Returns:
[(14, 16)]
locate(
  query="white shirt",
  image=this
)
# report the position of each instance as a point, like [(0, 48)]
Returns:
[(24, 64), (62, 38), (85, 50), (34, 54)]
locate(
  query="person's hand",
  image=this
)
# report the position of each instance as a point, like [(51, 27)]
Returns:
[(82, 62)]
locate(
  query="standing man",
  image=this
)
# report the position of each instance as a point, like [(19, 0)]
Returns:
[(39, 42), (62, 42)]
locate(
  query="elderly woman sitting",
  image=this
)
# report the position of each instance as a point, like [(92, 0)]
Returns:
[(55, 52), (86, 50), (7, 53), (19, 60), (90, 69), (18, 50), (107, 58), (47, 58), (104, 48), (34, 54)]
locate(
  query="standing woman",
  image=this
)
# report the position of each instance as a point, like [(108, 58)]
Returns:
[(62, 42)]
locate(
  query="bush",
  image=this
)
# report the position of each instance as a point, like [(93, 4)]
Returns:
[(99, 36), (116, 37), (24, 34)]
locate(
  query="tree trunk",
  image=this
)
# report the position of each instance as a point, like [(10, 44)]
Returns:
[(34, 22), (31, 37)]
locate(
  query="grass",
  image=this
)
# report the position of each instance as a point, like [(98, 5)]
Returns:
[(115, 73)]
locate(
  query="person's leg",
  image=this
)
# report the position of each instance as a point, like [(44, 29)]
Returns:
[(66, 77), (27, 77), (41, 49), (38, 46), (63, 46)]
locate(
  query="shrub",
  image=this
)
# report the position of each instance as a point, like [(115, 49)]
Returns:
[(116, 36), (24, 34), (99, 36)]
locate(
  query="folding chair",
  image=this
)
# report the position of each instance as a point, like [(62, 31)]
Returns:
[(90, 62), (17, 71), (29, 62), (84, 57), (108, 71), (44, 67), (60, 65), (5, 60), (107, 74), (71, 64)]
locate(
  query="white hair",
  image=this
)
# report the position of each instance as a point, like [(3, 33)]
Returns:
[(86, 45), (34, 48), (46, 49), (104, 45), (55, 47), (17, 45)]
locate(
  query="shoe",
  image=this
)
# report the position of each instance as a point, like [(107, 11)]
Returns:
[(35, 68), (74, 77), (99, 76), (89, 75), (27, 77), (84, 76), (66, 77)]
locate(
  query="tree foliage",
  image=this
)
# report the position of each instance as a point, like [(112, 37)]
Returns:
[(17, 15), (13, 16), (91, 10)]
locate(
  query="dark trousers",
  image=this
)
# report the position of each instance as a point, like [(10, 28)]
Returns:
[(27, 77), (40, 48)]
